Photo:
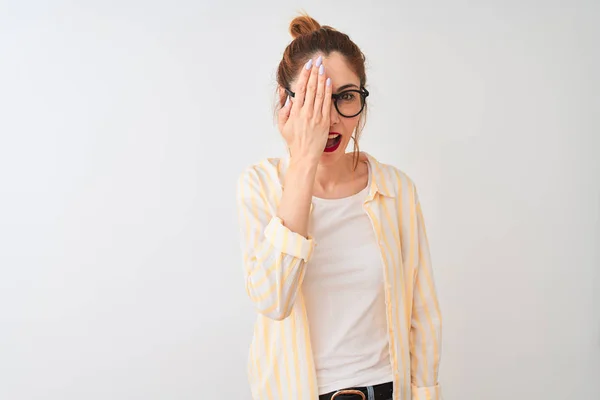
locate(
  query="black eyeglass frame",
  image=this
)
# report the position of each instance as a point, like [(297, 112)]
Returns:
[(363, 92)]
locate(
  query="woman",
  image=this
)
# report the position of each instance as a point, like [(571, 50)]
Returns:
[(334, 245)]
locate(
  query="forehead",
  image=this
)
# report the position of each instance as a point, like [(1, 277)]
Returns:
[(338, 70)]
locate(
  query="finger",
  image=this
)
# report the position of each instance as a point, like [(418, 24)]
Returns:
[(284, 113), (311, 86), (320, 90), (301, 86), (327, 99)]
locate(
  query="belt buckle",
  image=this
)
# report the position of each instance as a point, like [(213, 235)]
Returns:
[(349, 391)]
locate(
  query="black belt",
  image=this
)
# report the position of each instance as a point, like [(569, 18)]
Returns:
[(382, 391)]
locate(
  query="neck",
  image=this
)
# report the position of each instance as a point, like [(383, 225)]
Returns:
[(329, 176)]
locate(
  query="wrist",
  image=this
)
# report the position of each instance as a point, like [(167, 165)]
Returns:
[(302, 171), (304, 162)]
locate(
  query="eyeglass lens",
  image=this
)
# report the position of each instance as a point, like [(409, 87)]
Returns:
[(349, 102)]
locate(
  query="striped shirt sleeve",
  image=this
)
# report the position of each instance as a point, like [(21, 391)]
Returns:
[(426, 324), (274, 257)]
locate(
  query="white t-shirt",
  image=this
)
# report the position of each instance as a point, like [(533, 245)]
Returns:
[(344, 293)]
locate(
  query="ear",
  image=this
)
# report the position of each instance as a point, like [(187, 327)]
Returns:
[(282, 95)]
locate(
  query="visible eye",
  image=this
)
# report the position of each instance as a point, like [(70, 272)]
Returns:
[(347, 96)]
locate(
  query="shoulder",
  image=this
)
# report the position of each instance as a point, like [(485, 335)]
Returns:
[(388, 176), (262, 175)]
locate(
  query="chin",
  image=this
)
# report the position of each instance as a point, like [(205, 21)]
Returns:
[(328, 158)]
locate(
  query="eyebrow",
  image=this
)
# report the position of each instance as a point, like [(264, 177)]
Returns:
[(349, 85)]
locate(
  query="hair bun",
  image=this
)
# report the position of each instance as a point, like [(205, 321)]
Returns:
[(303, 25)]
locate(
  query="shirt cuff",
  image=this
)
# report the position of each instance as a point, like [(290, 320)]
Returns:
[(426, 393), (286, 241)]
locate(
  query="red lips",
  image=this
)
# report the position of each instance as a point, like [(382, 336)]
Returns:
[(333, 144)]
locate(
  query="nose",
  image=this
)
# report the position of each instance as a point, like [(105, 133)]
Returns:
[(334, 116)]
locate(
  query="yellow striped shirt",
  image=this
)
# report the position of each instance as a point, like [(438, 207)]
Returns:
[(280, 362)]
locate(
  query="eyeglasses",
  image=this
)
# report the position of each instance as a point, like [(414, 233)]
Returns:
[(348, 103)]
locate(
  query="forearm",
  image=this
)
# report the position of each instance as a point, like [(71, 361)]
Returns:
[(294, 208), (274, 254), (425, 338)]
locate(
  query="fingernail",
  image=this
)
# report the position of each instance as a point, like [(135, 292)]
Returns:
[(328, 82), (319, 61), (308, 64), (287, 101), (321, 69)]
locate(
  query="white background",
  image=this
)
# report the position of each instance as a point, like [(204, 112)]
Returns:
[(124, 126)]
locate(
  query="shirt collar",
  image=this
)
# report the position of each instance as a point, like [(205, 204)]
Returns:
[(379, 184)]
